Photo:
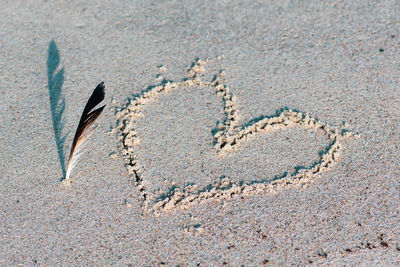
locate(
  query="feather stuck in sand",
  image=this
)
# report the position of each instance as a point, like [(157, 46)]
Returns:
[(83, 132)]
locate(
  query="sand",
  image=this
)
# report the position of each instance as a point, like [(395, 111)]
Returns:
[(254, 133)]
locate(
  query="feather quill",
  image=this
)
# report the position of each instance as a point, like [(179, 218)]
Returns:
[(83, 132)]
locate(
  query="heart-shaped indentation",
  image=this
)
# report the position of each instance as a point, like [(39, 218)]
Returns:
[(187, 158)]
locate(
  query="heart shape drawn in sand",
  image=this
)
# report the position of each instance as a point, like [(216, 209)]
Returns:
[(146, 164)]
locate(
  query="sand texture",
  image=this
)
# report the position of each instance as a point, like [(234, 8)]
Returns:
[(235, 133)]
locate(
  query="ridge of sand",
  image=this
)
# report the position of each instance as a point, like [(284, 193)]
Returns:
[(228, 137)]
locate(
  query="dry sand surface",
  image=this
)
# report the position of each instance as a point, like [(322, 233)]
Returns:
[(235, 133)]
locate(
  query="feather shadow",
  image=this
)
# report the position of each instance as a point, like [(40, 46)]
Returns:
[(55, 80)]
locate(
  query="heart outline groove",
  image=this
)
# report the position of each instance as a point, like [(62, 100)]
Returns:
[(228, 135)]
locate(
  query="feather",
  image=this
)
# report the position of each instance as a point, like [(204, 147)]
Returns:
[(83, 132)]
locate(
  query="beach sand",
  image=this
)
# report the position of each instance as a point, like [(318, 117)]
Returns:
[(235, 133)]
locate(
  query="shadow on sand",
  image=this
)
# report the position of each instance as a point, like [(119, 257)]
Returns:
[(57, 100)]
